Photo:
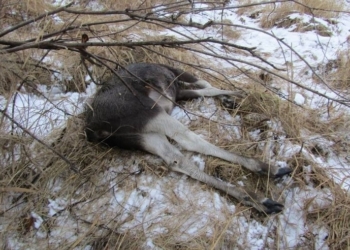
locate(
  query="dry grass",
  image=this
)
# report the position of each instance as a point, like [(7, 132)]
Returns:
[(13, 12), (277, 14), (41, 170), (337, 71), (32, 174)]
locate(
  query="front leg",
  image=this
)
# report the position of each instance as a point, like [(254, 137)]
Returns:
[(206, 90)]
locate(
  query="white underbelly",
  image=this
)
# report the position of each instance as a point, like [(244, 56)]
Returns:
[(164, 101)]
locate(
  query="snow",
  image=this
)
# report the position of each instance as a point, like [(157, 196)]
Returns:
[(150, 204), (56, 206), (255, 233), (37, 220), (299, 99), (293, 219)]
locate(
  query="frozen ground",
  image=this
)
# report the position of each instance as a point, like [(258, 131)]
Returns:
[(150, 203)]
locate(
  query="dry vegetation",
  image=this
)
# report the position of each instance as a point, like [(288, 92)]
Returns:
[(64, 164), (278, 14)]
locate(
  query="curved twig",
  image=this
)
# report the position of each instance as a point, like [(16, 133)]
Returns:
[(69, 163)]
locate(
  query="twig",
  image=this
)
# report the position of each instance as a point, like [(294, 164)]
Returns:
[(69, 163)]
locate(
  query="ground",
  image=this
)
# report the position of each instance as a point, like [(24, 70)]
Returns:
[(60, 192)]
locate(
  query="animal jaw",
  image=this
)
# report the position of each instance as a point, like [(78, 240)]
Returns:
[(131, 111)]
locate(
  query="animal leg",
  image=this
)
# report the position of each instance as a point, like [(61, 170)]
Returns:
[(158, 144), (205, 89), (172, 128)]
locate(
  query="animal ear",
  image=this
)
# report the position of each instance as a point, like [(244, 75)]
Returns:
[(103, 134)]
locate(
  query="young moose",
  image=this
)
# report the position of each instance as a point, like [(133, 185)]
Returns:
[(131, 111)]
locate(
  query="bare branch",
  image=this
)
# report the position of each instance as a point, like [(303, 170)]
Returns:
[(35, 19), (65, 45)]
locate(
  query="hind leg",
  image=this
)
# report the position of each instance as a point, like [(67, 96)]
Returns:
[(172, 128), (158, 144)]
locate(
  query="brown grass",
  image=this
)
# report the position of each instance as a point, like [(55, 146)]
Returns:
[(337, 71), (274, 14)]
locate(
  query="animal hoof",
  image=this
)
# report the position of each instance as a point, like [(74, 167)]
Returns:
[(266, 169), (271, 206), (282, 171), (228, 102)]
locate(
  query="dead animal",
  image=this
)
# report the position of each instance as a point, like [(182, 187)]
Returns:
[(131, 111)]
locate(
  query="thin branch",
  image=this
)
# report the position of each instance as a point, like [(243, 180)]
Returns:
[(64, 45)]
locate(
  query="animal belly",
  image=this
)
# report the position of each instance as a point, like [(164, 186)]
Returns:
[(164, 101)]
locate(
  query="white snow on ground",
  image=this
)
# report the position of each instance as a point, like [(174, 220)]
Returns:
[(150, 205)]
